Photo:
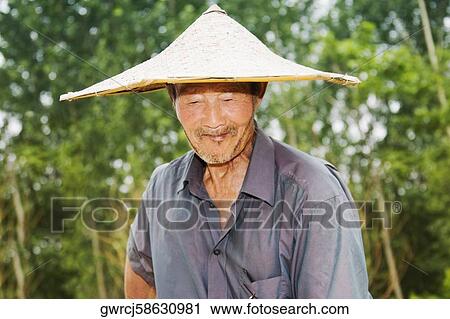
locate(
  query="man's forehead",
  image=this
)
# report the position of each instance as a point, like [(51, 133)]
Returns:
[(189, 88)]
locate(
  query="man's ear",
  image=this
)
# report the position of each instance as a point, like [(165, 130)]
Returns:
[(260, 94), (175, 108), (171, 90), (262, 89)]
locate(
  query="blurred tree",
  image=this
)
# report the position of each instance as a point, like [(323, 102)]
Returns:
[(389, 136)]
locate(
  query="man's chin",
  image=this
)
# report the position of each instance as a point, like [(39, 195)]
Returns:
[(215, 158)]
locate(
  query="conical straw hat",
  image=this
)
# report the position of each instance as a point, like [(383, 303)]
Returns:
[(215, 48)]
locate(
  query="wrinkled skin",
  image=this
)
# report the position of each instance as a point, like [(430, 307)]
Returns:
[(218, 121), (217, 118)]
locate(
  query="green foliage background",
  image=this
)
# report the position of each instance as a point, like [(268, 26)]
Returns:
[(390, 137)]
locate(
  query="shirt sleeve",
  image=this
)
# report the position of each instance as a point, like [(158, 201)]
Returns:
[(328, 259), (138, 247)]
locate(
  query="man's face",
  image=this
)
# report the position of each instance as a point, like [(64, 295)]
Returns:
[(217, 118)]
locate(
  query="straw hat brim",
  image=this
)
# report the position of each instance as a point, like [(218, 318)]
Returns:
[(215, 48)]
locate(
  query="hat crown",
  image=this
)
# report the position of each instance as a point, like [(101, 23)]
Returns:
[(214, 8), (214, 48)]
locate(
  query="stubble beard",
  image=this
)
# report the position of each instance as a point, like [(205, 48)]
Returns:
[(221, 158)]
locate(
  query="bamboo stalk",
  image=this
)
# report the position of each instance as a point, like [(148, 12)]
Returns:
[(18, 272), (432, 51), (98, 266), (20, 232), (18, 207), (387, 245)]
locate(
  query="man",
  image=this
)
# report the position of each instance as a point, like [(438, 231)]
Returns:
[(240, 247), (241, 215)]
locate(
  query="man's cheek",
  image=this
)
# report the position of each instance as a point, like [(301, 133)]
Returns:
[(188, 117), (240, 117)]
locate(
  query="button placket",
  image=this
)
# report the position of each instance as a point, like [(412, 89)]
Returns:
[(217, 282), (217, 277)]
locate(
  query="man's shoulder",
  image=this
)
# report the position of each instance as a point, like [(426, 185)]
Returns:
[(317, 176), (170, 171)]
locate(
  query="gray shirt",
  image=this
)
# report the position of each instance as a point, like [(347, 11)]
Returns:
[(290, 235)]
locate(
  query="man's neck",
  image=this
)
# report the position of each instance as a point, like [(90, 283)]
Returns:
[(225, 180)]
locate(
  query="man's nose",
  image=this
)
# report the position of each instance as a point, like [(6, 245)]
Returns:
[(214, 116)]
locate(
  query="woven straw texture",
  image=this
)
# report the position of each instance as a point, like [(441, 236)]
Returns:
[(214, 48)]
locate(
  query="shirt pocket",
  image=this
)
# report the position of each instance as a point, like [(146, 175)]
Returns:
[(271, 288)]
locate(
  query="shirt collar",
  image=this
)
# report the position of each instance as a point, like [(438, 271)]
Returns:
[(259, 180)]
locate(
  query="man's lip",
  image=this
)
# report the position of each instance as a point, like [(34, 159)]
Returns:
[(217, 138)]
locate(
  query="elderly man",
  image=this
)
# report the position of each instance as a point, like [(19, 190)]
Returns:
[(249, 192), (241, 215)]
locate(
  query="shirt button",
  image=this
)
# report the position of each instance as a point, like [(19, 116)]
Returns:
[(216, 252)]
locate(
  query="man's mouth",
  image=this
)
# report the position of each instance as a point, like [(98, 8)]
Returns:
[(217, 138)]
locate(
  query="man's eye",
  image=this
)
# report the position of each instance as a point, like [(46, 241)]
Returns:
[(227, 99), (193, 102)]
